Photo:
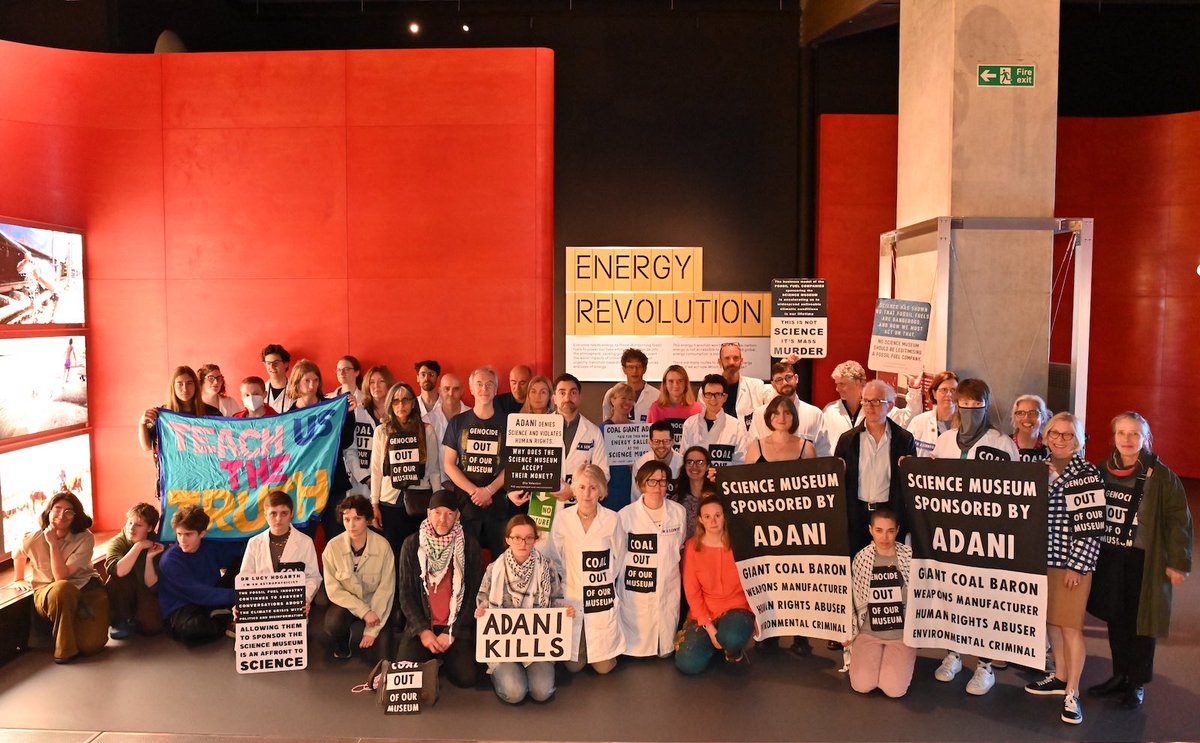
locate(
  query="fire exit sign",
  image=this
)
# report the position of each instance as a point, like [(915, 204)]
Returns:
[(1005, 75)]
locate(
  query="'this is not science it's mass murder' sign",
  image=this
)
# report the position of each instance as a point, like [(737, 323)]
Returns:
[(533, 451), (272, 629), (787, 529), (978, 582), (228, 465), (799, 318)]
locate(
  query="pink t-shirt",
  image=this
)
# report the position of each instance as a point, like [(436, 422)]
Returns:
[(675, 412)]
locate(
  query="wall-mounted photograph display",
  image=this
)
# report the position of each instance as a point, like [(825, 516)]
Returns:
[(29, 476), (45, 384), (41, 276)]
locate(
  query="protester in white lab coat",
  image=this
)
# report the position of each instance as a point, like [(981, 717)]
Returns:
[(281, 547), (845, 412), (648, 579), (744, 394), (661, 451), (584, 541), (634, 363), (583, 441), (723, 435), (927, 426)]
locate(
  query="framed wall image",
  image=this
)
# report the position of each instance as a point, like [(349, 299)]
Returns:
[(45, 385), (41, 276), (30, 475)]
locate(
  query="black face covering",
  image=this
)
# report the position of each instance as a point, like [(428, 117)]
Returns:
[(972, 425)]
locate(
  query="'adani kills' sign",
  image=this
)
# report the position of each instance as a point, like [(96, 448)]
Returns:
[(653, 299)]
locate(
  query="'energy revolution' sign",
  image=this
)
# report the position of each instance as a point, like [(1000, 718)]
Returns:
[(653, 299)]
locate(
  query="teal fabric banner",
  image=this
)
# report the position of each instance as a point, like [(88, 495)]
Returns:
[(228, 465)]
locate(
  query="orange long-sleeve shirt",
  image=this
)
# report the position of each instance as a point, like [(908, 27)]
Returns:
[(710, 581)]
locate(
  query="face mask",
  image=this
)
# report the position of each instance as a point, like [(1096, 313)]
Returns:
[(971, 420), (252, 402)]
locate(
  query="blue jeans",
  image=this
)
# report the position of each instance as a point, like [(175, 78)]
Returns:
[(694, 648), (513, 681)]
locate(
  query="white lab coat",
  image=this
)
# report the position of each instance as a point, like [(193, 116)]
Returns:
[(751, 393), (641, 408), (924, 428), (947, 446), (649, 618), (569, 546), (587, 448), (299, 548), (837, 421), (727, 431), (811, 425), (674, 461)]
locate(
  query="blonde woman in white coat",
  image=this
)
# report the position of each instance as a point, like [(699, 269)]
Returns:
[(584, 541), (648, 577)]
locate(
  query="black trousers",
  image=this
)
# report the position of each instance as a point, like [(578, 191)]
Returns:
[(458, 662), (1118, 583), (194, 624)]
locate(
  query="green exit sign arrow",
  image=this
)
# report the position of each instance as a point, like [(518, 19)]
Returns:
[(1005, 75)]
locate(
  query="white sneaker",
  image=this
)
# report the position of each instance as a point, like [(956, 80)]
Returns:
[(1072, 710), (983, 680), (950, 667)]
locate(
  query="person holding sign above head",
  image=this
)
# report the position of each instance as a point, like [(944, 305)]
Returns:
[(404, 467), (1146, 551), (304, 390), (719, 616), (648, 565), (283, 547), (845, 412), (131, 562), (254, 399), (521, 578), (621, 399), (723, 435), (926, 427), (66, 588), (439, 574), (449, 405), (471, 460), (583, 443), (780, 444), (360, 580), (585, 540), (660, 451), (974, 438), (183, 396), (633, 363), (676, 403), (1029, 414), (277, 361), (1076, 520), (872, 451), (880, 573), (196, 579), (742, 394), (518, 390), (810, 423)]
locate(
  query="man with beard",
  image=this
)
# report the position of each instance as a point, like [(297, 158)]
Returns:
[(518, 386), (428, 372), (811, 424), (583, 442), (742, 394)]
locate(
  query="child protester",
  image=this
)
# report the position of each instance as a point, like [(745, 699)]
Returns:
[(132, 564), (196, 598), (880, 659), (283, 547)]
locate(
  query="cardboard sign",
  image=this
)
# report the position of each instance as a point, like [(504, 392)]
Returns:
[(898, 336), (799, 318), (523, 636), (625, 443), (272, 630), (533, 451)]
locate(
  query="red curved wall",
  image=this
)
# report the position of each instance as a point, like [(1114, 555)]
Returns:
[(363, 202), (1139, 177)]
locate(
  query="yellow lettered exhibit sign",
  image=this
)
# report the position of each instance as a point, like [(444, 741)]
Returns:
[(653, 299)]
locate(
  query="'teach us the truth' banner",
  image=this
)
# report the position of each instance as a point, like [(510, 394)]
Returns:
[(978, 582), (787, 529), (228, 465)]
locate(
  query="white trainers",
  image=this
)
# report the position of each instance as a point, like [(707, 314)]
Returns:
[(950, 667), (983, 680)]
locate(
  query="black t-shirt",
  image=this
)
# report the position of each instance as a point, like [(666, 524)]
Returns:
[(506, 404), (478, 442), (731, 390)]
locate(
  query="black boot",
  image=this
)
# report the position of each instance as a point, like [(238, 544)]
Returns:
[(1133, 697), (1115, 685)]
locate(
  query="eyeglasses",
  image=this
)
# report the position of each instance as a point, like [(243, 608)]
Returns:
[(214, 378), (402, 400), (695, 462), (783, 379), (875, 403), (944, 391), (526, 540), (344, 369), (656, 482), (1060, 435), (1025, 414), (713, 395), (273, 364), (660, 442), (634, 367)]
